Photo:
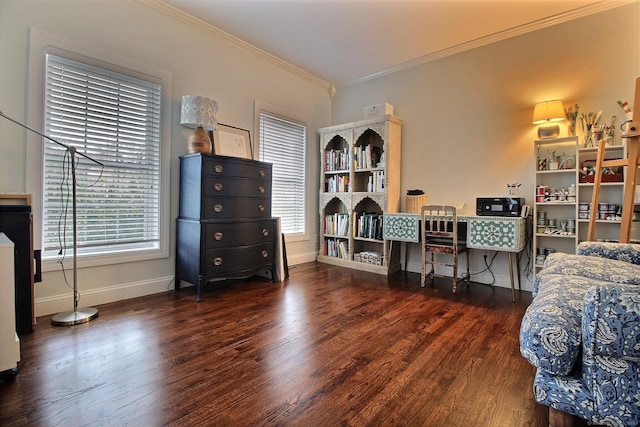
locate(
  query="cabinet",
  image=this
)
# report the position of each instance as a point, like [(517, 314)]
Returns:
[(360, 182), (224, 229), (16, 221), (9, 341), (563, 196)]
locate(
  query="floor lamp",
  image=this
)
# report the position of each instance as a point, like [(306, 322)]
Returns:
[(77, 315)]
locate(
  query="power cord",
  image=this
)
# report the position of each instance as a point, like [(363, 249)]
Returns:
[(62, 220), (488, 265), (528, 249), (66, 190)]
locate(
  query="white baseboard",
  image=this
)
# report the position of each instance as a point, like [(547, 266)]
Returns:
[(302, 258), (93, 297), (88, 298)]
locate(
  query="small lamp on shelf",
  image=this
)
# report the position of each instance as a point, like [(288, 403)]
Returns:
[(545, 113), (199, 113)]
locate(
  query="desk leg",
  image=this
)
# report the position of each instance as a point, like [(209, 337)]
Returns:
[(513, 291), (403, 245), (518, 272)]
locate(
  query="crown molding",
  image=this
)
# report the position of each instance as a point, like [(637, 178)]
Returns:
[(207, 28), (499, 36)]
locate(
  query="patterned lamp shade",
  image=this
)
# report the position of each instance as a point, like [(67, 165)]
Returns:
[(198, 111)]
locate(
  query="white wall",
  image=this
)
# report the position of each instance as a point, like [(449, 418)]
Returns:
[(200, 62), (467, 118)]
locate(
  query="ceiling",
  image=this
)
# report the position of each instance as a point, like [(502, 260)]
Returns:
[(344, 42)]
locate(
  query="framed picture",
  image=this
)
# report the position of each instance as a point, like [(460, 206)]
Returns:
[(232, 141)]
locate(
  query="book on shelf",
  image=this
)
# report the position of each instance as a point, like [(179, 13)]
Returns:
[(337, 184), (337, 224), (368, 226), (366, 157), (343, 250), (337, 160), (376, 182), (336, 248)]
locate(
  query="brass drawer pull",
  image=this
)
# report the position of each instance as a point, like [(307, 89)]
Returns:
[(217, 261), (217, 208), (217, 186), (265, 254), (262, 174), (261, 189), (261, 208), (218, 168), (218, 235), (265, 232)]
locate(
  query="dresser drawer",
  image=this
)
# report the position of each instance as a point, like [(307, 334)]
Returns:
[(217, 186), (222, 261), (230, 167), (238, 233), (236, 207)]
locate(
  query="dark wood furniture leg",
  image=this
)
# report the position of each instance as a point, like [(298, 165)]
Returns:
[(199, 287)]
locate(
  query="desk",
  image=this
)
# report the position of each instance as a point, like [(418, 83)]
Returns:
[(496, 233)]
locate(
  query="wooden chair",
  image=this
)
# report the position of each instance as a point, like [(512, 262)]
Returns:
[(440, 236)]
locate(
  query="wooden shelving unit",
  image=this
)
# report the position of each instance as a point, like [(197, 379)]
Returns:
[(359, 182)]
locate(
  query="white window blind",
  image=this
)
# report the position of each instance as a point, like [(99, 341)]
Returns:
[(282, 143), (114, 119)]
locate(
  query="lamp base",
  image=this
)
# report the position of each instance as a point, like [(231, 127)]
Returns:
[(70, 318), (548, 131), (199, 142)]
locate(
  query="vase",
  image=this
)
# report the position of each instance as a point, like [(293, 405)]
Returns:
[(596, 138), (588, 139)]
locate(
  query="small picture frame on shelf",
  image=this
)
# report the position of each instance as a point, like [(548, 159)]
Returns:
[(232, 141)]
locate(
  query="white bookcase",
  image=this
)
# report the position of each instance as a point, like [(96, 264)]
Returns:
[(555, 213), (359, 182)]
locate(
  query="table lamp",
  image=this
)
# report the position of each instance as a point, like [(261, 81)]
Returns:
[(547, 112), (199, 113)]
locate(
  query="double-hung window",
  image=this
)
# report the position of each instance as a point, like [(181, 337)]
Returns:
[(115, 119), (283, 143)]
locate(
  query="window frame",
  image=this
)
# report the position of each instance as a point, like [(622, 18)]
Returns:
[(42, 43), (260, 107)]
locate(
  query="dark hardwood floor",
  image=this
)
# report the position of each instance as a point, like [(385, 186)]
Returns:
[(328, 347)]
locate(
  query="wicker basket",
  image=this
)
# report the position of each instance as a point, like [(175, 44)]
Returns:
[(414, 204)]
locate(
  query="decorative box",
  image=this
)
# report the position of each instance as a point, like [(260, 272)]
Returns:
[(377, 110), (606, 177), (369, 257), (617, 177)]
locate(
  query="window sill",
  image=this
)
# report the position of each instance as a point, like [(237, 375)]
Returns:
[(97, 260)]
